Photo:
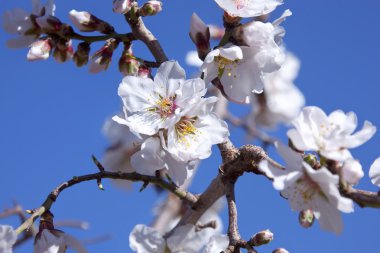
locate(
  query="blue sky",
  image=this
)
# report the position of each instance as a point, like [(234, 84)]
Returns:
[(52, 115)]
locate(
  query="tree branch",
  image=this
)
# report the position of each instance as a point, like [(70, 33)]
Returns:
[(361, 197), (142, 33), (184, 195)]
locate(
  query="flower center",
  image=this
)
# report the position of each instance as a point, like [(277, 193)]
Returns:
[(225, 64), (185, 128), (165, 106), (240, 4)]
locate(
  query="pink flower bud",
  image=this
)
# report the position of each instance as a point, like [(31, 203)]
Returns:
[(63, 51), (151, 8), (144, 72), (128, 65), (199, 33), (261, 238), (81, 56), (49, 24), (86, 22), (352, 171), (306, 218), (280, 250), (102, 58), (122, 6), (216, 32), (40, 50)]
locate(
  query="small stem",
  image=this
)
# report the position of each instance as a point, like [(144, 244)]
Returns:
[(121, 37)]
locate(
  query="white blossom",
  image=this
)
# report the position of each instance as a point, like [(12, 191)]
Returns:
[(352, 171), (374, 172), (7, 238), (281, 101), (55, 241), (145, 239), (153, 105), (20, 22), (196, 132), (193, 60), (217, 243), (331, 135), (241, 69), (306, 188), (187, 239), (248, 8), (117, 157), (153, 157)]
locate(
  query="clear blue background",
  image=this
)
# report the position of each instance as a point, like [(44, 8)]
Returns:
[(51, 118)]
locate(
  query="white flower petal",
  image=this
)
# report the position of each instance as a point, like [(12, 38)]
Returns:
[(374, 172), (169, 77), (145, 239)]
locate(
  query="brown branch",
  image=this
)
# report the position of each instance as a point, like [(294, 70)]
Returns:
[(142, 33), (184, 195), (361, 197), (127, 37)]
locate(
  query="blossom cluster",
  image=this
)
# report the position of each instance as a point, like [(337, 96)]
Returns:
[(310, 183)]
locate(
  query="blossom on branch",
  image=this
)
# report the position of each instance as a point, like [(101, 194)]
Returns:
[(331, 135), (118, 156), (306, 188), (7, 238), (248, 8), (24, 24), (374, 172), (241, 69), (281, 101)]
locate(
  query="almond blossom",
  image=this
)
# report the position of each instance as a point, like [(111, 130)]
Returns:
[(241, 69), (184, 239), (351, 171), (281, 101), (217, 243), (51, 240), (22, 23), (196, 132), (153, 105), (306, 188), (118, 156), (7, 238), (374, 172), (153, 156), (330, 135), (248, 8)]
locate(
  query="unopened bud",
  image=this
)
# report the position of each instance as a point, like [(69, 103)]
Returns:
[(311, 160), (49, 24), (82, 54), (144, 72), (128, 65), (280, 250), (199, 33), (352, 171), (306, 218), (122, 6), (86, 22), (63, 51), (40, 50), (102, 58), (261, 238), (151, 8)]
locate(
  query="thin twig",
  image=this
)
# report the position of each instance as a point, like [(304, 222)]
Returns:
[(184, 195)]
